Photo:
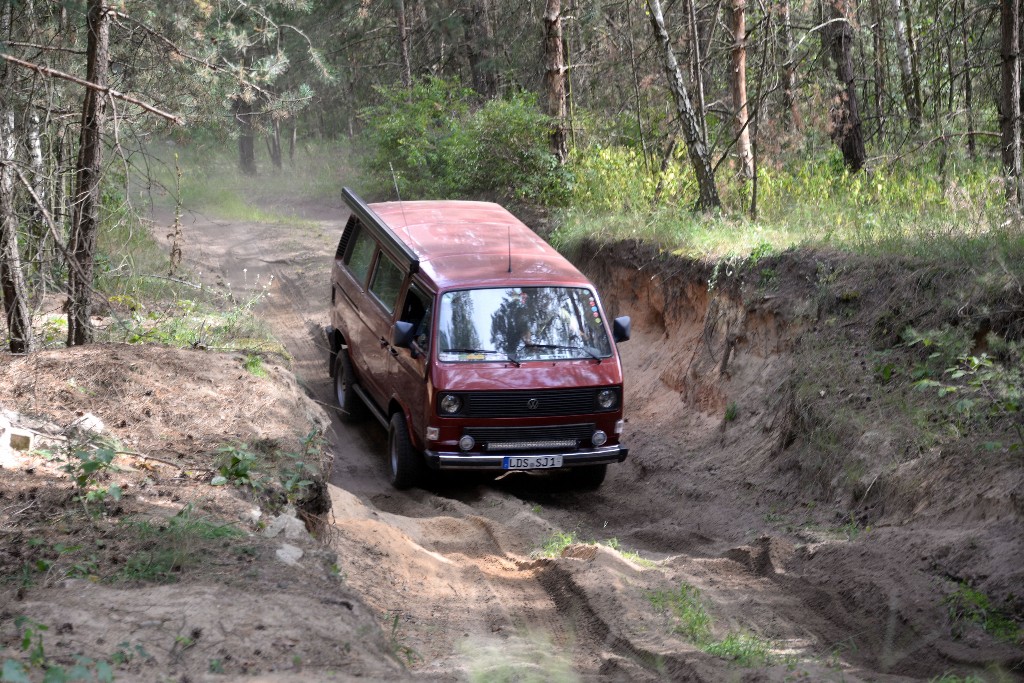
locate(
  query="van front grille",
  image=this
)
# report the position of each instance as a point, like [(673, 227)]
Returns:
[(543, 403)]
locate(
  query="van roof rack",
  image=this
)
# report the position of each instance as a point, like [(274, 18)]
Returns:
[(389, 241)]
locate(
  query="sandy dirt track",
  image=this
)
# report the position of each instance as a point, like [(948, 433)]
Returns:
[(453, 570)]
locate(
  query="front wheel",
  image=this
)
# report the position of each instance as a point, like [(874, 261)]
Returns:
[(406, 464)]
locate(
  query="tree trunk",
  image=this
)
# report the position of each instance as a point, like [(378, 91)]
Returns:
[(698, 65), (403, 43), (972, 148), (88, 169), (789, 69), (696, 146), (915, 67), (12, 281), (245, 113), (554, 78), (878, 38), (911, 96), (845, 115), (274, 144), (1009, 105), (738, 25), (480, 47)]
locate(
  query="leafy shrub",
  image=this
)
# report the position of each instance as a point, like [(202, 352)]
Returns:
[(440, 144)]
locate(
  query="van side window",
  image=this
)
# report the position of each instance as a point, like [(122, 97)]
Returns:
[(386, 282), (416, 310), (360, 254)]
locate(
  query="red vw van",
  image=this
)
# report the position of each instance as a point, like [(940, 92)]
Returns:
[(474, 342)]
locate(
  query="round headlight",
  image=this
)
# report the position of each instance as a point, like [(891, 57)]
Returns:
[(451, 404), (466, 443), (606, 398), (599, 438)]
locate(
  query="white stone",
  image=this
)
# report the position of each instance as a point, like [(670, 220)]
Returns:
[(289, 554)]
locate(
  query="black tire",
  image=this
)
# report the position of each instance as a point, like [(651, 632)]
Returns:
[(587, 477), (350, 406), (404, 462)]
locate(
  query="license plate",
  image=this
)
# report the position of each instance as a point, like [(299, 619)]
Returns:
[(534, 462)]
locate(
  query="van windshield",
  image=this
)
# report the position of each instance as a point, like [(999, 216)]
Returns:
[(520, 324)]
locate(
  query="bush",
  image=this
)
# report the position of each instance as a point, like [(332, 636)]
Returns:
[(440, 145)]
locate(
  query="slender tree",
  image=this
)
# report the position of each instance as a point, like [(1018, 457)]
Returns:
[(1009, 105), (89, 167), (554, 78), (911, 93), (738, 83), (690, 120)]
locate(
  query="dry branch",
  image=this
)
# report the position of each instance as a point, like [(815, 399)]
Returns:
[(54, 73)]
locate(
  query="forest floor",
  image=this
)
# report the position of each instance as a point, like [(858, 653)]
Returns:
[(705, 556)]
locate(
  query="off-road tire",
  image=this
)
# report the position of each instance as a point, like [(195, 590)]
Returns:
[(587, 477), (404, 463), (350, 406)]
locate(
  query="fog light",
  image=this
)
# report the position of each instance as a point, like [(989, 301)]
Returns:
[(433, 433), (619, 424), (466, 443), (599, 438)]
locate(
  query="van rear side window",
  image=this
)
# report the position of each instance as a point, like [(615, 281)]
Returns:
[(387, 281), (360, 254)]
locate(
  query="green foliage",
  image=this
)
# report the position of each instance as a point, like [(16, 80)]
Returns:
[(743, 648), (172, 545), (688, 617), (967, 605), (31, 643), (440, 144), (686, 611), (235, 466), (557, 542), (732, 411), (982, 389), (808, 200)]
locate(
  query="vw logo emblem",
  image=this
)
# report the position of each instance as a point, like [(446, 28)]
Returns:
[(533, 404)]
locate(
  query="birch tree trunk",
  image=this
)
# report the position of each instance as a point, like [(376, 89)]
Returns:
[(88, 169), (738, 24), (911, 95), (554, 77), (1009, 105), (12, 281), (696, 146)]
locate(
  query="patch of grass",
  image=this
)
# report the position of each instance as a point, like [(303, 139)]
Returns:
[(630, 555), (731, 411), (171, 546), (686, 612), (968, 605), (743, 648), (557, 542), (689, 618), (253, 364)]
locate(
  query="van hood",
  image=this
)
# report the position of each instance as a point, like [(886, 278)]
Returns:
[(564, 374)]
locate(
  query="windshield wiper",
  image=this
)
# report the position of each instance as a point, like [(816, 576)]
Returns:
[(510, 358), (585, 349)]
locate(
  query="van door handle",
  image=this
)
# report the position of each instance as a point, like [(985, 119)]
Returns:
[(383, 342)]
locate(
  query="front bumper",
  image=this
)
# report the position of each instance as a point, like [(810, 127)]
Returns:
[(493, 461)]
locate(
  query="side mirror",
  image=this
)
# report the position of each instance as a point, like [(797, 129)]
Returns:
[(621, 329), (402, 334)]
